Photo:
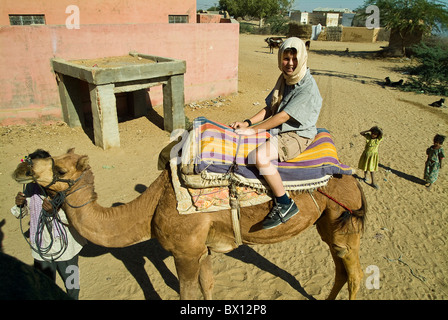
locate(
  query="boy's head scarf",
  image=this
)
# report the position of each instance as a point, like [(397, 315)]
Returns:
[(296, 76)]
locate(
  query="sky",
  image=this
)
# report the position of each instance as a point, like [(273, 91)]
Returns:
[(302, 5)]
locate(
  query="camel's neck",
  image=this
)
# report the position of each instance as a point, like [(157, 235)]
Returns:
[(119, 226)]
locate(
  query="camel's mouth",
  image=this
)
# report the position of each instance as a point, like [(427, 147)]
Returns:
[(23, 180)]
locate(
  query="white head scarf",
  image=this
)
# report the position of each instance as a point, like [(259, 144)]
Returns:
[(296, 76)]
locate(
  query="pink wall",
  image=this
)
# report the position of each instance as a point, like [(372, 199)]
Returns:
[(28, 89), (100, 11), (208, 18)]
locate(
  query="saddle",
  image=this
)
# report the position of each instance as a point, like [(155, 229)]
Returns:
[(210, 164)]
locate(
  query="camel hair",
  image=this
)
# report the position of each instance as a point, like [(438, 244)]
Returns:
[(192, 237)]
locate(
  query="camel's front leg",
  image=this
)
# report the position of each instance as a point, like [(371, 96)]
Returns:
[(188, 273), (194, 271), (206, 280)]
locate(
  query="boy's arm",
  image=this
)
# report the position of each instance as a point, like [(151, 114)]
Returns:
[(273, 122), (258, 117)]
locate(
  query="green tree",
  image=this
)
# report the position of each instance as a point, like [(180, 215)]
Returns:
[(255, 8), (286, 5), (409, 20), (430, 75)]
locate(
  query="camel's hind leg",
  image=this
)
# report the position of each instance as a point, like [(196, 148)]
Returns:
[(340, 276), (345, 252), (347, 269)]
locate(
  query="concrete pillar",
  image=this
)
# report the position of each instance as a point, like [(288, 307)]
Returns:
[(140, 102), (69, 89), (173, 103), (104, 112)]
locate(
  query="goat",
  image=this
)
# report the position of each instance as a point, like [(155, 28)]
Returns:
[(273, 42)]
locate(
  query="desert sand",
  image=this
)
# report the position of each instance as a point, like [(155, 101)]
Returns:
[(407, 225)]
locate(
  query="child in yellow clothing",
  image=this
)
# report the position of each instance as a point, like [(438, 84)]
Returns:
[(369, 158)]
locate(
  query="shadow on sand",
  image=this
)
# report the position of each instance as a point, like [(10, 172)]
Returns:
[(403, 175)]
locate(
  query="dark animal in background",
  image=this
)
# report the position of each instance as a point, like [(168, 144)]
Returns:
[(393, 84), (273, 42), (438, 104), (307, 45)]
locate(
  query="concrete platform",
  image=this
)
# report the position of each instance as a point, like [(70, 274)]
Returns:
[(106, 76)]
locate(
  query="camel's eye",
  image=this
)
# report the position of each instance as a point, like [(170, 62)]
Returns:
[(60, 171)]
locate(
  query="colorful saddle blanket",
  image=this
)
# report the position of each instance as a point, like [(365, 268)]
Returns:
[(215, 150)]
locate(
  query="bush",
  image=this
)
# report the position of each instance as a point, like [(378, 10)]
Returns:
[(278, 25), (246, 27), (274, 25), (431, 73)]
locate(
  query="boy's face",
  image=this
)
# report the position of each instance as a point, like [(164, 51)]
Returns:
[(289, 63)]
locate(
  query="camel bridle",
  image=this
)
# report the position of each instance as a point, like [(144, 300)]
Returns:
[(60, 196)]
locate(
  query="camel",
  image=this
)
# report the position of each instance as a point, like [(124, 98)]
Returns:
[(192, 238)]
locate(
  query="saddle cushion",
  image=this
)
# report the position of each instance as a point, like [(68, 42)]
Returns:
[(213, 149)]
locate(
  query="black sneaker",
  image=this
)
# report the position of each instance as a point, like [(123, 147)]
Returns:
[(280, 213)]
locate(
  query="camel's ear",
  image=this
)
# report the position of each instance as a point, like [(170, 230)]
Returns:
[(83, 163), (71, 150)]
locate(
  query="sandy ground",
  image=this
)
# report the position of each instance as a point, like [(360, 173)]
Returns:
[(405, 220)]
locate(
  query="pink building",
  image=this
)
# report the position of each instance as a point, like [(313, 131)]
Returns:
[(32, 32)]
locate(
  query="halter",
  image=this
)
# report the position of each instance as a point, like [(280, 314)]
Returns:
[(60, 196), (45, 219), (70, 182)]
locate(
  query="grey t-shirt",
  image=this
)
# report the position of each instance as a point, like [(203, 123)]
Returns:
[(302, 102)]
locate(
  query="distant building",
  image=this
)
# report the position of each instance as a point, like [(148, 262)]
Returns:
[(338, 10), (347, 19), (329, 17)]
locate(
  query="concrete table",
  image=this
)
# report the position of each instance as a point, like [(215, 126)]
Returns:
[(106, 76)]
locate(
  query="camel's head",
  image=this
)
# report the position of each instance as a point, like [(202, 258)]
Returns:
[(53, 173)]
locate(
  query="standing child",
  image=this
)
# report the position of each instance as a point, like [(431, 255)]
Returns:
[(434, 162), (369, 158)]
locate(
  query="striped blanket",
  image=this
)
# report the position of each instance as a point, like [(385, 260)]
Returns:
[(216, 150)]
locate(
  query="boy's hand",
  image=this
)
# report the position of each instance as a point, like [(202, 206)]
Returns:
[(20, 199), (239, 125), (245, 131), (47, 206)]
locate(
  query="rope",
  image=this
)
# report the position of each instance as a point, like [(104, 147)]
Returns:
[(333, 199), (45, 221), (234, 203), (315, 202), (235, 212), (421, 278)]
